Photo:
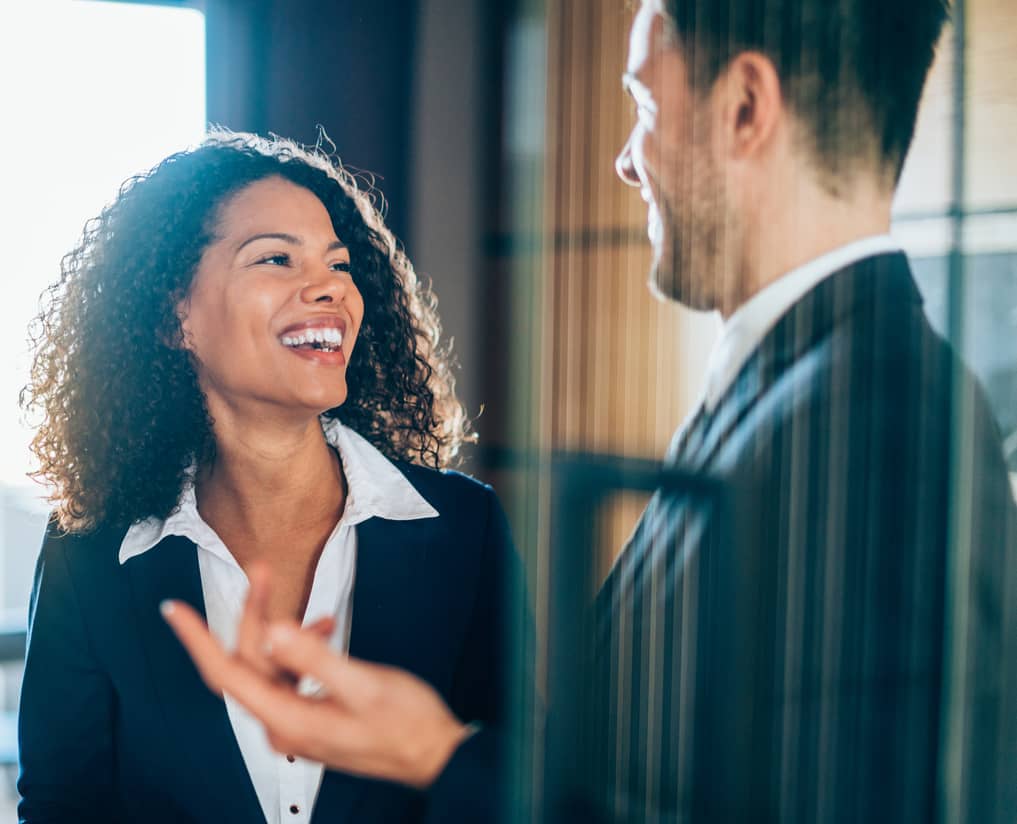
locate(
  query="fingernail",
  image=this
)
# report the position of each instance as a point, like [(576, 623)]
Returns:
[(166, 608)]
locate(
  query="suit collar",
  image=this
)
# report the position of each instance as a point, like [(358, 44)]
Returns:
[(745, 329), (883, 282), (376, 489)]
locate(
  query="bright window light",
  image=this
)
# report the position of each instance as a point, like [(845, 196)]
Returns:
[(93, 93), (105, 91)]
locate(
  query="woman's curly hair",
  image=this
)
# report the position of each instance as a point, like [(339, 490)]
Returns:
[(122, 416)]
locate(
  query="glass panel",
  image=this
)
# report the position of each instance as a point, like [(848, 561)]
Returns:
[(612, 372)]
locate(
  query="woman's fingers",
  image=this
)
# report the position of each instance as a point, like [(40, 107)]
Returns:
[(254, 620), (362, 723), (303, 653), (212, 661), (287, 717), (359, 726), (223, 672), (251, 632), (323, 627)]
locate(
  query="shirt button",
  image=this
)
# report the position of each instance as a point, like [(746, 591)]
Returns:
[(294, 809), (291, 758)]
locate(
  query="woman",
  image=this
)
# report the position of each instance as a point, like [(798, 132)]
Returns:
[(238, 371)]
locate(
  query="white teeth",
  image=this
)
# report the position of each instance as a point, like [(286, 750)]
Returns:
[(329, 335)]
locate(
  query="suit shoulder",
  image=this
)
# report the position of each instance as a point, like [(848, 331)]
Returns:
[(868, 359), (96, 550), (866, 379), (443, 481)]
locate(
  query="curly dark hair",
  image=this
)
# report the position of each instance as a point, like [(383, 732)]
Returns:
[(122, 416)]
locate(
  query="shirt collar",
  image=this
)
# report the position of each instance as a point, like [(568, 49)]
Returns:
[(746, 328), (375, 488)]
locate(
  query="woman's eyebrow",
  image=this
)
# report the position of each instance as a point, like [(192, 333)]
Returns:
[(273, 235), (334, 245)]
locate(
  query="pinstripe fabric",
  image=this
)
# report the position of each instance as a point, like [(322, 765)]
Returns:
[(798, 675)]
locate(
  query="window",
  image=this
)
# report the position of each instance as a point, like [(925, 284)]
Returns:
[(93, 93), (107, 90)]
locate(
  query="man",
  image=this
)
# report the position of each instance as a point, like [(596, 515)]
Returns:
[(811, 667), (853, 658)]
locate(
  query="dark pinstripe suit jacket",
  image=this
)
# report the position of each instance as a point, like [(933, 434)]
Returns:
[(850, 657)]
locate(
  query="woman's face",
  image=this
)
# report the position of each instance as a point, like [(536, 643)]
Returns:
[(273, 313)]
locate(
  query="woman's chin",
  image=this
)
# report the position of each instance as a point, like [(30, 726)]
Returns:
[(325, 404), (336, 405), (320, 400)]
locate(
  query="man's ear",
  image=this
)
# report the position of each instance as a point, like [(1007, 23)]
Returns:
[(751, 104)]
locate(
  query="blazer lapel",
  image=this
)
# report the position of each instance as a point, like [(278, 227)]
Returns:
[(388, 626), (885, 279), (194, 716)]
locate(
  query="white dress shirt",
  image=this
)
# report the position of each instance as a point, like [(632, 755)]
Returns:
[(286, 787), (746, 328)]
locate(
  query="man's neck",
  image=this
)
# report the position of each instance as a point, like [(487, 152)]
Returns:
[(789, 235)]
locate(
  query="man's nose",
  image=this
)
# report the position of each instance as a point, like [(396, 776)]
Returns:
[(624, 166)]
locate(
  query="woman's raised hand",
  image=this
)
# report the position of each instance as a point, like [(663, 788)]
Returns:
[(369, 719)]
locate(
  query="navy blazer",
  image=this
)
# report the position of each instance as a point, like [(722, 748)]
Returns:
[(844, 650), (116, 725)]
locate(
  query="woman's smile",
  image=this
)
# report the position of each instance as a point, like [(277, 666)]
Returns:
[(318, 340)]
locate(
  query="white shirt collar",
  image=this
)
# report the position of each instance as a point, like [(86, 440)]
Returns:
[(375, 488), (746, 328)]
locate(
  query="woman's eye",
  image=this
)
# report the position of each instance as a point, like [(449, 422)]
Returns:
[(275, 260), (341, 266)]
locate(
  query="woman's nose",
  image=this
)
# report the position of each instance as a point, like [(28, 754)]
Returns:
[(326, 286)]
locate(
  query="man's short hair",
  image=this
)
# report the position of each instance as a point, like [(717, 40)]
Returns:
[(852, 70)]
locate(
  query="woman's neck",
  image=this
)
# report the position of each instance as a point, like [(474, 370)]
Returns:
[(270, 481)]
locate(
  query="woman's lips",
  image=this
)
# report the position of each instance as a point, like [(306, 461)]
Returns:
[(318, 339), (316, 322), (320, 356)]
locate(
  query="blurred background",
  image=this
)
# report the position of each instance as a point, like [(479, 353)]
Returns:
[(490, 129)]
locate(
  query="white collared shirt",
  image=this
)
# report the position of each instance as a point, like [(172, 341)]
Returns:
[(376, 488), (746, 328)]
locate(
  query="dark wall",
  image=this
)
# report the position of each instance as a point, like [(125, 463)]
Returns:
[(286, 66)]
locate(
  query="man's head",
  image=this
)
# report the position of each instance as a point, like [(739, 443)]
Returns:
[(738, 99)]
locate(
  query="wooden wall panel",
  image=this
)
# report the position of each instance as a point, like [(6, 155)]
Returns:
[(621, 368)]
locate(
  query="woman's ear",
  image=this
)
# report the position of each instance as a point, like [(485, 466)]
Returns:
[(176, 334)]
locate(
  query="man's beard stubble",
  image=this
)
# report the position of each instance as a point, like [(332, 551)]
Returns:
[(697, 226)]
